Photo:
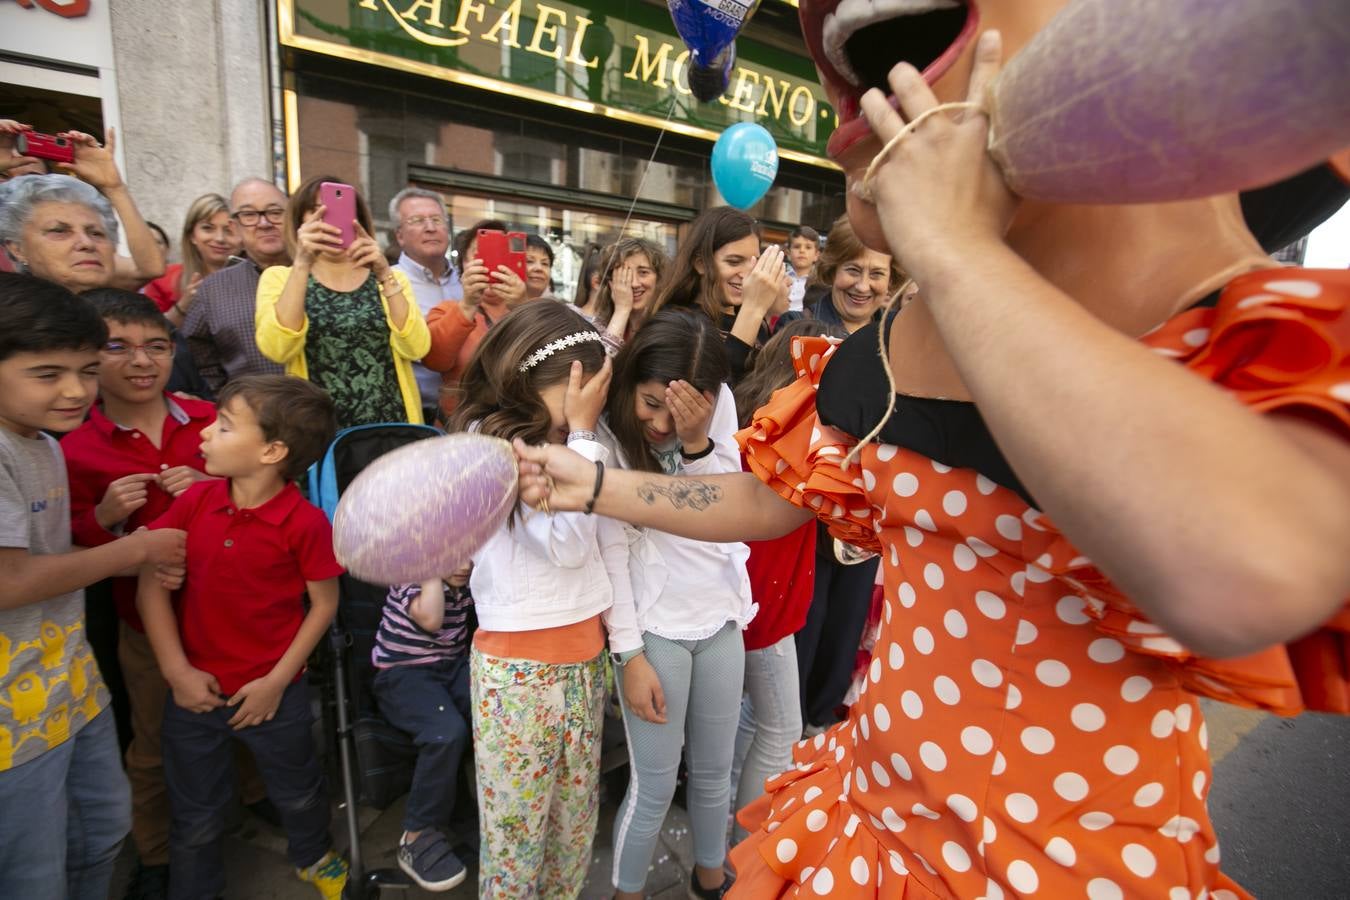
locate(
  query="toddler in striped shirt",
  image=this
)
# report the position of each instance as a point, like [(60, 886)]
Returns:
[(422, 687)]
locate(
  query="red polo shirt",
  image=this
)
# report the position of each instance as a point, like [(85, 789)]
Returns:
[(100, 451), (242, 602)]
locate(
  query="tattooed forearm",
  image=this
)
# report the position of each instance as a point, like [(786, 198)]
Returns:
[(682, 492)]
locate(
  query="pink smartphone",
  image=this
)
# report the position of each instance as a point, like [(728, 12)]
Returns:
[(339, 201)]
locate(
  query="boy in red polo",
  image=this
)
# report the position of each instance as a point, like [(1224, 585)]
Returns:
[(233, 649), (139, 448)]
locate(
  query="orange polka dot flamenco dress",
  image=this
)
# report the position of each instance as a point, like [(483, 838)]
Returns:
[(1023, 730)]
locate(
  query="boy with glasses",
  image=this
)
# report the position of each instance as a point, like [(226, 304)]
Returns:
[(139, 448), (219, 326)]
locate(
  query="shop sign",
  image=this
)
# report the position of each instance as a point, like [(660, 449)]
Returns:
[(617, 58)]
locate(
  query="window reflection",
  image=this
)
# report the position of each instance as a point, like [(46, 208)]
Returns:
[(369, 136)]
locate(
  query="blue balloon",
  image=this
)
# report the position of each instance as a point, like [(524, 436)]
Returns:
[(709, 30), (744, 164)]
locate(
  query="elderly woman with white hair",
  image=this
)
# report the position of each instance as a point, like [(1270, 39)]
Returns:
[(63, 227)]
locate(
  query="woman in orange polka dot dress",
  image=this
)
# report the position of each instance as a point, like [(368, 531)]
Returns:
[(1115, 477)]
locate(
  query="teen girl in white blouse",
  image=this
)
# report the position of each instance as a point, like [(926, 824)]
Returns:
[(670, 411)]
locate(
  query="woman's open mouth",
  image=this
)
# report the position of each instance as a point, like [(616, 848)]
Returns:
[(856, 43)]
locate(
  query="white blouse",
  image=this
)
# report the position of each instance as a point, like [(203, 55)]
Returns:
[(684, 589)]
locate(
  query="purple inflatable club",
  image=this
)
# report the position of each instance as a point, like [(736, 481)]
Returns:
[(1158, 100), (422, 511)]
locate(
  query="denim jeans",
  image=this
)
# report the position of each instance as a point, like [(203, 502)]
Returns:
[(702, 683), (198, 751), (63, 817), (771, 722), (431, 703)]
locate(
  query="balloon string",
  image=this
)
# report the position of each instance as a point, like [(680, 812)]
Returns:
[(647, 167), (884, 352), (863, 188)]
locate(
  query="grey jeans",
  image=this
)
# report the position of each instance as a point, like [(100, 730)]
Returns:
[(771, 722), (702, 683)]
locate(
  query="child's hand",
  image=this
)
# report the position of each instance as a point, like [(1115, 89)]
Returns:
[(642, 691), (162, 547), (170, 577), (178, 479), (257, 701), (582, 405), (692, 413), (122, 498), (196, 691), (460, 576)]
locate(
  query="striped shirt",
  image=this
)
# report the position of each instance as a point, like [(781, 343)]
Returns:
[(400, 641)]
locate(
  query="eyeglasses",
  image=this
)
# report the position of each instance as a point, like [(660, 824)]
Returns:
[(153, 349), (249, 218), (424, 222)]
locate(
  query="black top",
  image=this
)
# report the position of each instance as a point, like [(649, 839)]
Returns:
[(852, 397), (738, 351)]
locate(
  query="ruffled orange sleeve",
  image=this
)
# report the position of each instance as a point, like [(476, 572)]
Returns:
[(789, 449), (1277, 340)]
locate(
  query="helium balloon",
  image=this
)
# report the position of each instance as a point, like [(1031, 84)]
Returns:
[(1159, 100), (709, 30), (744, 164), (421, 511)]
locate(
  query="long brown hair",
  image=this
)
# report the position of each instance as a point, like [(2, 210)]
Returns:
[(502, 400), (710, 231), (673, 345), (203, 209), (773, 365), (613, 257)]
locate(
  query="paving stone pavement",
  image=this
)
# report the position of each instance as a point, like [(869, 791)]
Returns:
[(255, 856), (1279, 803)]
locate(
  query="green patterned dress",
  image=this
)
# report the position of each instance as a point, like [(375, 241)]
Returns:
[(348, 354)]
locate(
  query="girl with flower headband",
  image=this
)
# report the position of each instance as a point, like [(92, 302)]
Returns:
[(546, 589), (671, 411)]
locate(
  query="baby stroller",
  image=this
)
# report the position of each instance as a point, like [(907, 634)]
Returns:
[(375, 759)]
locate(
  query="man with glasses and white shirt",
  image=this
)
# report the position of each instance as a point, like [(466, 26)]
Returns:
[(422, 229), (219, 326)]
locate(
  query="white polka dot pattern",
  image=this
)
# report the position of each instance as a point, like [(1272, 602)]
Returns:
[(1016, 709)]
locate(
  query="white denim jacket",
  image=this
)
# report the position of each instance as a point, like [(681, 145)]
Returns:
[(554, 570)]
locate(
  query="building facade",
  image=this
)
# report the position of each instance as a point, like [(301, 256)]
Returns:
[(570, 120)]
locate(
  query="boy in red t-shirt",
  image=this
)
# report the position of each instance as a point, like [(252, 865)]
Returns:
[(139, 448), (233, 649)]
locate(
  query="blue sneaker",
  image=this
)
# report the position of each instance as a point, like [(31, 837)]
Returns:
[(430, 862)]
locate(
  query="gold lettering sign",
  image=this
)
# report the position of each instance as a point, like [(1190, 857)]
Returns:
[(628, 49)]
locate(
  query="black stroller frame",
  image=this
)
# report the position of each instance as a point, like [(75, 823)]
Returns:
[(328, 478)]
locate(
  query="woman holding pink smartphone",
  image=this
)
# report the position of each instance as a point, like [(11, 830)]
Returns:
[(341, 316)]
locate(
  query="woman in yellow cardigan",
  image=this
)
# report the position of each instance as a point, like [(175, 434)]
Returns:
[(344, 319)]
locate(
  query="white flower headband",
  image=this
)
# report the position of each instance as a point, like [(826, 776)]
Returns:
[(553, 347)]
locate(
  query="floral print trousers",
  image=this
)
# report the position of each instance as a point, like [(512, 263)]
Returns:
[(536, 735)]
